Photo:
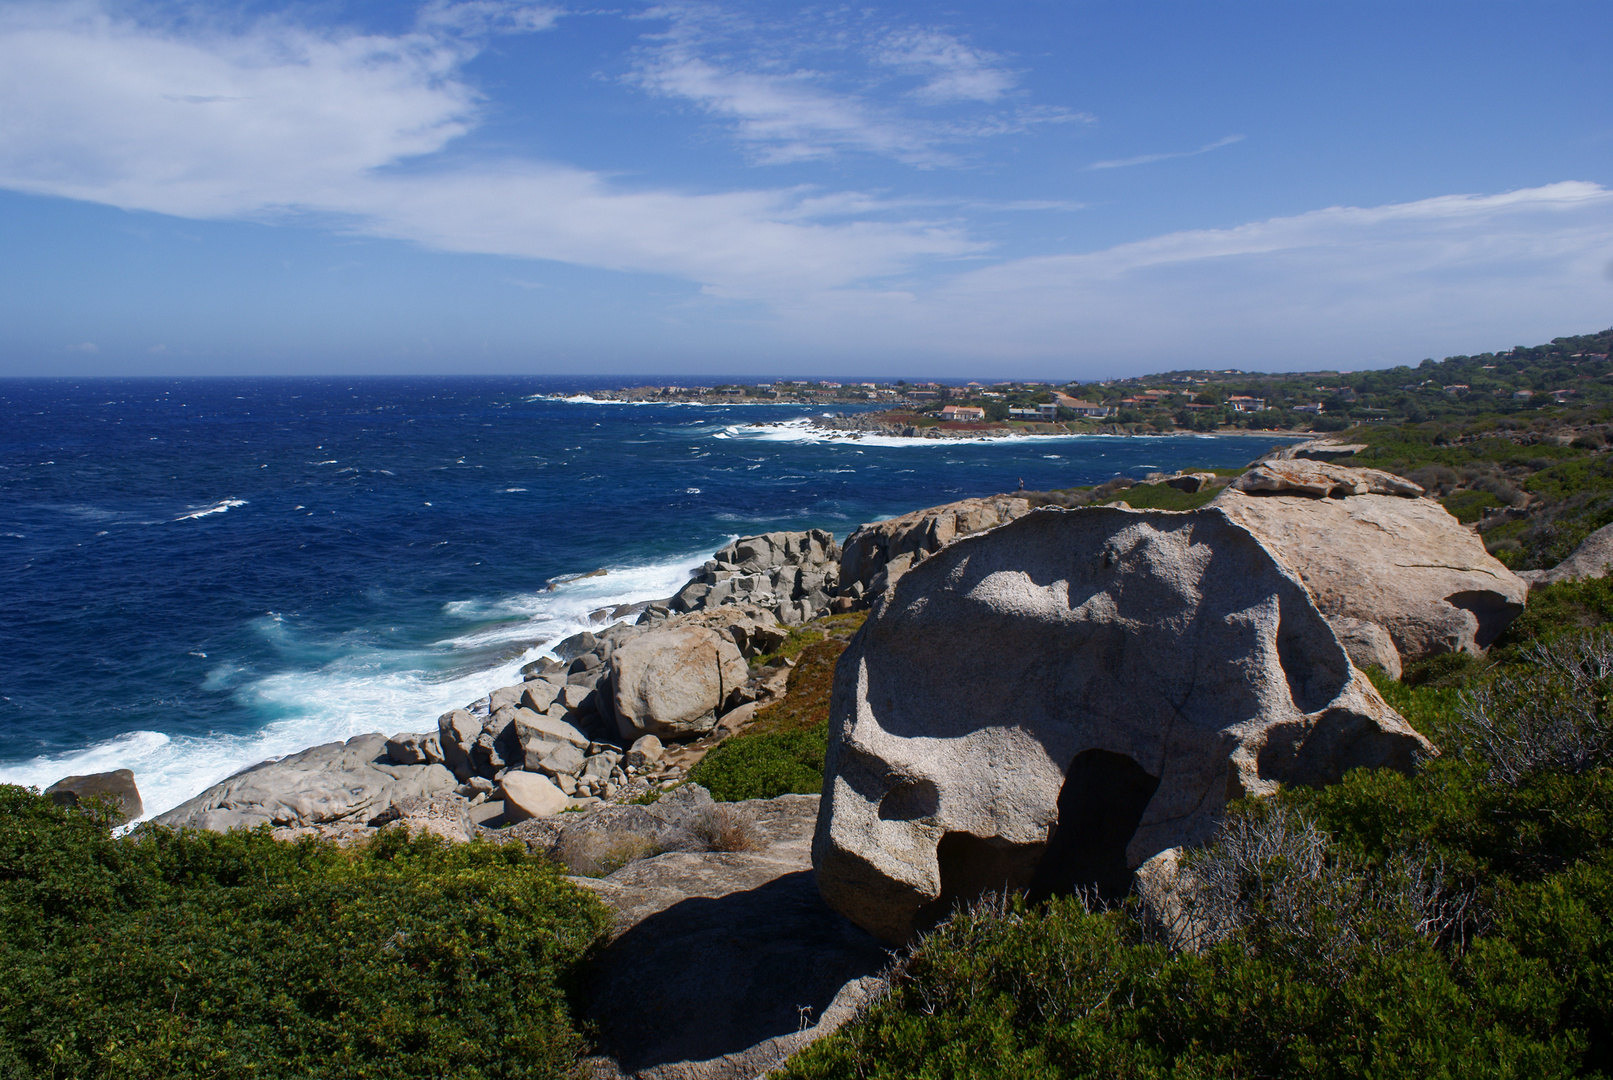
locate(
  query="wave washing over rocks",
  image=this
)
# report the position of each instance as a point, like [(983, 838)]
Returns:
[(995, 725)]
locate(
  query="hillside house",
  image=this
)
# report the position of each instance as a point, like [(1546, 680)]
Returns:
[(1244, 403), (962, 412)]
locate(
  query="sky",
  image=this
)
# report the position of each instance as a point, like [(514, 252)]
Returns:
[(1012, 189)]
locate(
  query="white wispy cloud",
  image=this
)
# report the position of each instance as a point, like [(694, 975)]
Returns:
[(952, 69), (1350, 286), (278, 121), (1149, 159), (761, 80)]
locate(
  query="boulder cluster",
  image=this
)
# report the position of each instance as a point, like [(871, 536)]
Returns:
[(601, 722), (793, 574)]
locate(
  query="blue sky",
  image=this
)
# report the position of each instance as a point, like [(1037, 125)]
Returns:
[(1015, 188)]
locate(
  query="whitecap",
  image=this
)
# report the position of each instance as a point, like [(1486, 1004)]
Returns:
[(220, 507)]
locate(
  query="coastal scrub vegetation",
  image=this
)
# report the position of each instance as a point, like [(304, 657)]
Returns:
[(783, 750), (1453, 923), (200, 954)]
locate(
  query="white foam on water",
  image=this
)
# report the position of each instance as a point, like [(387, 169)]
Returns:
[(369, 688), (806, 430), (221, 507)]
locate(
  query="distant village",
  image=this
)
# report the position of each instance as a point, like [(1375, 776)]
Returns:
[(1568, 371)]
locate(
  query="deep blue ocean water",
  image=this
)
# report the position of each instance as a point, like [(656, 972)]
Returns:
[(196, 575)]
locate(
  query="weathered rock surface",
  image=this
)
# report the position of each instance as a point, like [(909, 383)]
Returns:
[(336, 782), (1318, 450), (675, 682), (528, 795), (1320, 479), (1590, 560), (880, 548), (790, 574), (414, 749), (1367, 644), (117, 786), (445, 814), (722, 964), (1405, 564), (1051, 703)]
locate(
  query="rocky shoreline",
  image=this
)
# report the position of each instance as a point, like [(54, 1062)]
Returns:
[(1009, 653)]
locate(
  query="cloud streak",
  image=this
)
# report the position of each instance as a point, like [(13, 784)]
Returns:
[(1348, 286), (760, 80), (1149, 159), (354, 132)]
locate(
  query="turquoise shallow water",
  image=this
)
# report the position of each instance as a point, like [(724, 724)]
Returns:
[(199, 574)]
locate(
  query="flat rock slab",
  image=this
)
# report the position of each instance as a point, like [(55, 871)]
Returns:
[(349, 782), (722, 964)]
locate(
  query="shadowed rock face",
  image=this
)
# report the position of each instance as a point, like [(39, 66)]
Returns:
[(1105, 678)]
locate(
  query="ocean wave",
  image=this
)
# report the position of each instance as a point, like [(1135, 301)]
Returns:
[(221, 507), (325, 698)]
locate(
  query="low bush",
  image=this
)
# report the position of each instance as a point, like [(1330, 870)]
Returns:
[(199, 954), (783, 750), (765, 766)]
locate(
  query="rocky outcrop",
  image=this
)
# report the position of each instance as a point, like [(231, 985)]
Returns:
[(1590, 560), (1404, 564), (875, 556), (350, 782), (1050, 704), (1318, 450), (117, 787), (675, 683), (773, 967), (792, 574), (1318, 479), (445, 814)]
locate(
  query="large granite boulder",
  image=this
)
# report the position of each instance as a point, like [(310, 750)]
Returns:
[(891, 547), (1402, 563), (675, 683), (117, 787), (1049, 704), (337, 782)]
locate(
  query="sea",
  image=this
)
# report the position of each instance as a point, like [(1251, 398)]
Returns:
[(200, 574)]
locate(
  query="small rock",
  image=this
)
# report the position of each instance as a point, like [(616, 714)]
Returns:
[(646, 750), (456, 733), (414, 749), (539, 695), (564, 758), (1319, 479), (528, 795), (576, 645)]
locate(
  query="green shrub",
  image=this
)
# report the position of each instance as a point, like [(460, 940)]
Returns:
[(1468, 506), (782, 751), (199, 954), (765, 766), (1161, 497)]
